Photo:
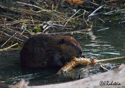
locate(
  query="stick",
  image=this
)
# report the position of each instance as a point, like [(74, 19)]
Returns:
[(9, 10), (114, 11), (93, 13), (71, 17), (103, 68), (83, 61), (31, 5), (18, 21), (21, 40), (8, 39), (73, 63), (109, 59), (78, 31), (68, 66), (17, 32), (9, 47)]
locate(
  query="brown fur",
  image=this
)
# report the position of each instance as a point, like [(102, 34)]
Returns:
[(43, 50)]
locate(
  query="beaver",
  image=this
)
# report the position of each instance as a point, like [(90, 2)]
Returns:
[(44, 50)]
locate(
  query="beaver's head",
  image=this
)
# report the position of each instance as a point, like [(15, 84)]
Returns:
[(70, 48)]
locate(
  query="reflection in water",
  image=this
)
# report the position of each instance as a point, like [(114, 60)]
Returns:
[(98, 49), (92, 36), (103, 29)]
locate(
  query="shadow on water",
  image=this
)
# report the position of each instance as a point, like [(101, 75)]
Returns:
[(106, 40)]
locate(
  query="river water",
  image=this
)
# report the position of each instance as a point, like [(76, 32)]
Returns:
[(106, 40)]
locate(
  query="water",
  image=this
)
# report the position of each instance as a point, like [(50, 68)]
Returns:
[(106, 40)]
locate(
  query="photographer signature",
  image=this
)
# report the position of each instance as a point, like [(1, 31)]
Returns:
[(108, 83)]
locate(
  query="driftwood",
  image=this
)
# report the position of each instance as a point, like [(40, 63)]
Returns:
[(111, 79)]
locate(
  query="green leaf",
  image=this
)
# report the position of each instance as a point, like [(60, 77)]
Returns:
[(38, 28)]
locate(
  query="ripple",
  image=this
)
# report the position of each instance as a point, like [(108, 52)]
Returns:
[(112, 53), (97, 45)]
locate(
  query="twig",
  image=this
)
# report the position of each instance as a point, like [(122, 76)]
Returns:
[(78, 31), (18, 33), (93, 3), (31, 5), (14, 31), (109, 59), (83, 61), (49, 24), (8, 40), (114, 11), (18, 21), (85, 20), (93, 13), (4, 49), (71, 17), (8, 10), (103, 68), (14, 37)]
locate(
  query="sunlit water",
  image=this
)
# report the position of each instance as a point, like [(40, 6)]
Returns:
[(106, 40)]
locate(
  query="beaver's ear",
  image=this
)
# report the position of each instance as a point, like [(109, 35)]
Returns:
[(61, 41)]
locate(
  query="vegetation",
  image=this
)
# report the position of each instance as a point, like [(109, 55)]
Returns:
[(24, 19)]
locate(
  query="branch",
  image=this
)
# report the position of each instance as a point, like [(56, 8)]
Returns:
[(71, 17), (93, 13), (78, 31), (4, 49)]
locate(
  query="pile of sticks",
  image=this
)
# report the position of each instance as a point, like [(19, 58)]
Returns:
[(20, 22)]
